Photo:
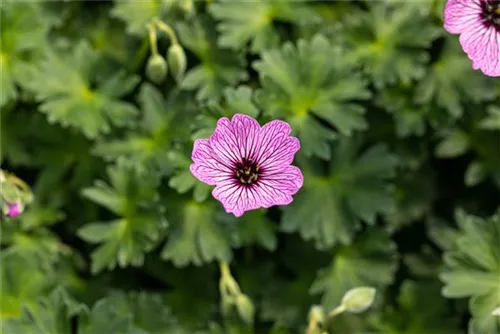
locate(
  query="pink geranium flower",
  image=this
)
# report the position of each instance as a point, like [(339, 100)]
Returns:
[(478, 23), (13, 209), (248, 164)]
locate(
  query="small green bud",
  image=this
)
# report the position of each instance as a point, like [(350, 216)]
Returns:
[(177, 61), (156, 69), (496, 312), (10, 192), (245, 308), (317, 313), (358, 300)]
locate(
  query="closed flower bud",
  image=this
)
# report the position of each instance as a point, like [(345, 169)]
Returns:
[(357, 300), (10, 192), (245, 308), (177, 61), (156, 69), (317, 313)]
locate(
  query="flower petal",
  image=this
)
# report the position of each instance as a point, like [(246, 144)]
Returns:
[(235, 139), (489, 60), (460, 15), (247, 132), (224, 142), (236, 198), (278, 188), (276, 148), (207, 167)]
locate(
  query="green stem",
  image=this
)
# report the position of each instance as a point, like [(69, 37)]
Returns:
[(167, 29), (332, 314), (152, 40), (224, 269), (335, 311), (227, 280)]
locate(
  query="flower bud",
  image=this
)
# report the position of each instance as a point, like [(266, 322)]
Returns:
[(357, 300), (245, 308), (156, 69), (177, 61), (496, 312), (10, 192), (317, 313)]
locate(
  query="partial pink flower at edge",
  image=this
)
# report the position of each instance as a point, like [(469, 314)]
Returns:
[(250, 165), (13, 209), (478, 24)]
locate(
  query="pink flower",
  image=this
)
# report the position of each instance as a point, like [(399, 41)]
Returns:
[(248, 164), (13, 209), (478, 23)]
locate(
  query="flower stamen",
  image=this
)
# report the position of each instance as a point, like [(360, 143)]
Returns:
[(491, 13), (247, 171)]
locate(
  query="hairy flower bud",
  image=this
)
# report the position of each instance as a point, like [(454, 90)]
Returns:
[(357, 300), (156, 69), (177, 61), (245, 308)]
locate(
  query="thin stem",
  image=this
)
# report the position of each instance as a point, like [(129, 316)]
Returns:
[(152, 39), (335, 312), (227, 280), (167, 29), (224, 270), (313, 326), (332, 314)]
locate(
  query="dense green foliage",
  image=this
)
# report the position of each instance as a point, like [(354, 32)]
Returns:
[(400, 151)]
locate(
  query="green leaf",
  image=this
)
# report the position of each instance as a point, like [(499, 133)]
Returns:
[(254, 228), (162, 121), (104, 317), (286, 301), (454, 144), (356, 188), (47, 316), (301, 83), (414, 194), (433, 315), (375, 250), (253, 22), (150, 314), (410, 118), (239, 100), (24, 280), (132, 196), (451, 81), (492, 121), (219, 68), (472, 269), (183, 180), (390, 40), (474, 174), (196, 236), (65, 86), (23, 31), (138, 14)]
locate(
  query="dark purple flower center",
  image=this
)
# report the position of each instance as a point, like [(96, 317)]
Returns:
[(490, 13), (247, 171)]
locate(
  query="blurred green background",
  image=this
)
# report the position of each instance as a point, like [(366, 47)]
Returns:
[(400, 150)]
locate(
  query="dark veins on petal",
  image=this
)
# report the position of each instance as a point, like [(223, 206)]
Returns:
[(247, 171), (491, 13)]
